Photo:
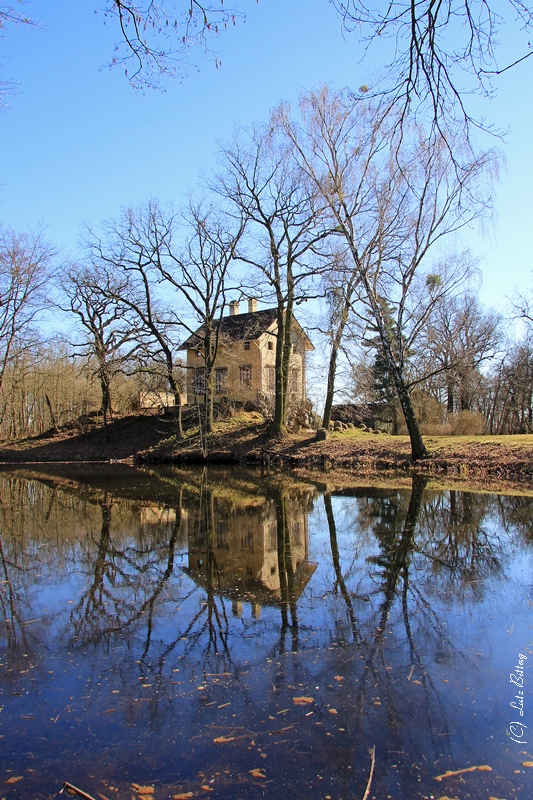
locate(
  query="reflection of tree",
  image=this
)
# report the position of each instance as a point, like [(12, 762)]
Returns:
[(286, 570), (516, 513), (339, 578), (443, 543), (250, 547), (9, 603), (396, 584), (456, 541), (19, 562), (216, 622), (126, 580)]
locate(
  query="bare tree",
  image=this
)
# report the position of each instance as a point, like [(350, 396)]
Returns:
[(392, 203), (108, 338), (458, 339), (440, 51), (157, 37), (26, 268), (135, 245), (341, 285), (200, 273), (284, 230), (154, 38), (507, 399), (11, 15)]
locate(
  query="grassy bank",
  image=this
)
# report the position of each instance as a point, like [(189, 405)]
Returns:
[(244, 440)]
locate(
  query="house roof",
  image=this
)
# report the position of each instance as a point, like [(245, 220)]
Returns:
[(240, 327)]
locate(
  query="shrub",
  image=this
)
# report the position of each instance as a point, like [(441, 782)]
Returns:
[(468, 423)]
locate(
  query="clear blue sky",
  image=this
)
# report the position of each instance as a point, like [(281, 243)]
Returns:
[(78, 143)]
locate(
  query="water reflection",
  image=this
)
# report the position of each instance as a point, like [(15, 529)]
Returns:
[(150, 617)]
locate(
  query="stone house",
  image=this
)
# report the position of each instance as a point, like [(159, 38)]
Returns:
[(245, 364)]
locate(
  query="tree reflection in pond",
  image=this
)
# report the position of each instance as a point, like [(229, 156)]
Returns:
[(175, 627)]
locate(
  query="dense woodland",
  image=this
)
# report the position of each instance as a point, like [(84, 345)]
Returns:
[(343, 212)]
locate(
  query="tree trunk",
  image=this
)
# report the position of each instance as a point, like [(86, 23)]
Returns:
[(49, 404), (418, 448), (335, 347), (278, 427), (337, 564)]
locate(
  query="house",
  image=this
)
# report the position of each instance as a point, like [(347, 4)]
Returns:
[(156, 401), (245, 363)]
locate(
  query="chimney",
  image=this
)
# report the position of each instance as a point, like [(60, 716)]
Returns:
[(234, 308), (252, 305)]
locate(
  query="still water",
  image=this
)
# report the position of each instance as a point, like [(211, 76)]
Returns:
[(227, 634)]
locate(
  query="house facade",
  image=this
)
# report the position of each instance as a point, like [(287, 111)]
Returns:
[(245, 367)]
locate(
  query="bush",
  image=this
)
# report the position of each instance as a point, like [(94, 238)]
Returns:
[(468, 423)]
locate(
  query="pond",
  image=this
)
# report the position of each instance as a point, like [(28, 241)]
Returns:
[(225, 633)]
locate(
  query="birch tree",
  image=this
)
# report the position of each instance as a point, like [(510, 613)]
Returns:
[(392, 202)]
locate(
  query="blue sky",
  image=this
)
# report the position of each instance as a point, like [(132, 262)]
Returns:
[(78, 143)]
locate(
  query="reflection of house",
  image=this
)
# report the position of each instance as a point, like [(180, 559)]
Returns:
[(245, 364), (238, 555)]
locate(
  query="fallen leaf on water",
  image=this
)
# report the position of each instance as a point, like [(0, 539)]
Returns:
[(484, 768), (527, 763), (14, 780), (207, 788), (302, 701), (333, 711), (257, 773), (419, 682), (338, 678), (143, 790), (496, 798), (222, 739), (183, 796)]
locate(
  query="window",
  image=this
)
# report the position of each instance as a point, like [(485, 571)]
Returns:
[(295, 380), (271, 379), (198, 354), (221, 376), (271, 345), (199, 381), (246, 375), (247, 345)]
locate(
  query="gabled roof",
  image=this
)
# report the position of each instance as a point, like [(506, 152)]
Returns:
[(242, 327)]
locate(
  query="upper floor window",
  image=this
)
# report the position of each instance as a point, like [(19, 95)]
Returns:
[(247, 345), (246, 375), (271, 345)]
